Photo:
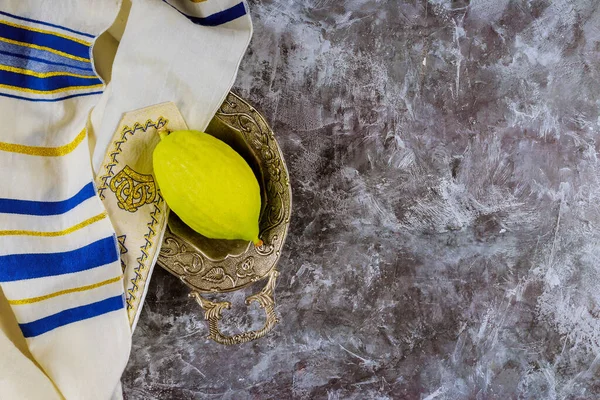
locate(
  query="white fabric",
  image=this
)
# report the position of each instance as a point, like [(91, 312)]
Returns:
[(131, 197), (177, 61), (20, 377), (45, 102), (78, 337), (165, 57)]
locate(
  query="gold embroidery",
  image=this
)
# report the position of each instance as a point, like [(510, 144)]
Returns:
[(122, 250), (66, 291), (43, 151), (121, 240), (72, 229), (141, 260), (160, 122), (132, 189), (103, 180)]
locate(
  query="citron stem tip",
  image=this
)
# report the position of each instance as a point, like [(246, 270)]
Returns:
[(163, 133)]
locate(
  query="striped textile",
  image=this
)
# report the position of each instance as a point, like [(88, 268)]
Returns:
[(44, 62), (206, 15), (71, 315), (13, 206), (60, 267), (77, 240), (60, 271)]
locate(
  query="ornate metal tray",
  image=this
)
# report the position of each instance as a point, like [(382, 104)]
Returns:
[(214, 266)]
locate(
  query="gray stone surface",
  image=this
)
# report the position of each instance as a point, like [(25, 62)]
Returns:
[(445, 236)]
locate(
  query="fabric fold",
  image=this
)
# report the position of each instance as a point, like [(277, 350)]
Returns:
[(62, 237), (189, 57), (56, 253)]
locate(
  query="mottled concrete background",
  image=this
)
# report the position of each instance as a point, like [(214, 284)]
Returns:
[(445, 238)]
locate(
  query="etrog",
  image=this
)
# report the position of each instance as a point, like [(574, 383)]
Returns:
[(208, 185)]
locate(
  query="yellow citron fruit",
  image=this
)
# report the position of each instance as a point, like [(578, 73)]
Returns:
[(208, 185)]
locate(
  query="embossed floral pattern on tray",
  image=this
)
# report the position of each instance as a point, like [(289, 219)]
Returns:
[(191, 263)]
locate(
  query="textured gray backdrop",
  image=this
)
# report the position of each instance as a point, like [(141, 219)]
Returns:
[(445, 237)]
